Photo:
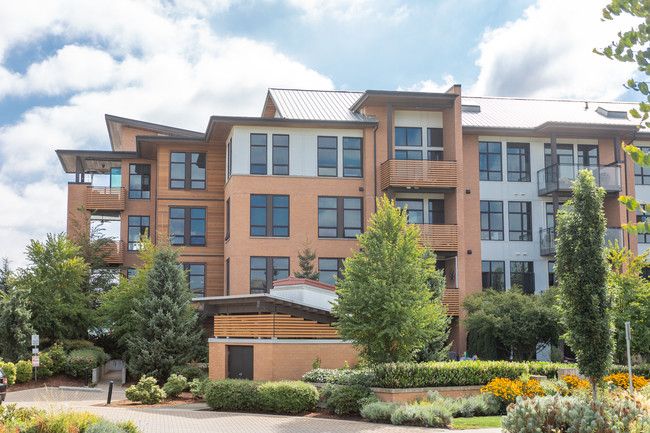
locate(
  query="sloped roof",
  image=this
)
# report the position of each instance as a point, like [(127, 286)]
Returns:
[(315, 104)]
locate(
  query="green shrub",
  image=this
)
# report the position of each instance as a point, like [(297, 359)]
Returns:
[(199, 387), (9, 369), (175, 385), (475, 405), (232, 394), (79, 359), (287, 397), (343, 376), (70, 345), (24, 371), (430, 414), (342, 399), (30, 420), (378, 411), (637, 370), (59, 358), (146, 391), (190, 372), (45, 365), (103, 426), (548, 369)]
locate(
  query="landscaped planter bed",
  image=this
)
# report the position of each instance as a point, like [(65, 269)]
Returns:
[(412, 394)]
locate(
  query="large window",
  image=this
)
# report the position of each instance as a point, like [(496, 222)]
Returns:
[(340, 217), (434, 137), (329, 269), (327, 156), (522, 274), (489, 160), (187, 170), (139, 181), (258, 153), (280, 154), (408, 136), (564, 154), (414, 210), (643, 238), (138, 227), (519, 221), (265, 270), (494, 275), (642, 174), (587, 156), (518, 162), (491, 220), (187, 226), (436, 211), (551, 274), (351, 157), (195, 277), (269, 215)]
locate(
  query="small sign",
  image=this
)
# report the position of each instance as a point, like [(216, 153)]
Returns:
[(35, 350), (35, 361), (35, 340)]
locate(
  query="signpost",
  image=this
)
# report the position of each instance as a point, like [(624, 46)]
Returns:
[(628, 337), (35, 357)]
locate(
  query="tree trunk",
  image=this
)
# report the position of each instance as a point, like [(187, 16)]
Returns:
[(594, 388)]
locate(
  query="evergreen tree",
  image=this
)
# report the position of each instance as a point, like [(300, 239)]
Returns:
[(581, 268), (5, 274), (166, 331), (385, 306), (306, 259), (15, 327)]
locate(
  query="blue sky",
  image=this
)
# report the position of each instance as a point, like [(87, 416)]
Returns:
[(66, 63)]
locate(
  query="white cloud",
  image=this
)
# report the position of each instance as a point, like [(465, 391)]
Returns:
[(352, 10), (431, 86), (548, 54)]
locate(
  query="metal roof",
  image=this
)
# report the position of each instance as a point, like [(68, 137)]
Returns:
[(316, 105), (516, 113)]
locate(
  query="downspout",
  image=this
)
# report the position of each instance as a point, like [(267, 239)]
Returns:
[(375, 155)]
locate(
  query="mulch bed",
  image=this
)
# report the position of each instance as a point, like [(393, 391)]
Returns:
[(51, 382)]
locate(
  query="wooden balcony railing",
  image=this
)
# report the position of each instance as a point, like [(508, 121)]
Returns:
[(439, 237), (420, 174), (114, 253), (451, 299), (270, 326), (105, 198)]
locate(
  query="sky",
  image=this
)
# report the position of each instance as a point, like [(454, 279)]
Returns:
[(64, 64)]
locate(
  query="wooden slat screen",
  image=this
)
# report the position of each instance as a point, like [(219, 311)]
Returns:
[(115, 252), (270, 325), (432, 174), (451, 299), (439, 237), (105, 198)]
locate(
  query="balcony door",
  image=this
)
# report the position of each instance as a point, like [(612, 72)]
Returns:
[(564, 154), (587, 156)]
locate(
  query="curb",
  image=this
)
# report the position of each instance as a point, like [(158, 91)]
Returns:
[(80, 388)]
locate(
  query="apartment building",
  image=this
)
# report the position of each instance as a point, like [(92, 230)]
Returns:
[(482, 178)]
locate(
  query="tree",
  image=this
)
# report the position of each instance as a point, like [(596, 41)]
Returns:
[(5, 274), (384, 304), (15, 327), (306, 259), (631, 300), (166, 332), (581, 268), (52, 282), (505, 324)]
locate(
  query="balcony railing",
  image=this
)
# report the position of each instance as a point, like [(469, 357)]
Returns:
[(439, 237), (105, 198), (419, 174), (548, 244), (114, 253), (560, 178), (451, 300)]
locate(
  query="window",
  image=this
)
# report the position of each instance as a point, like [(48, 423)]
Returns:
[(228, 218), (494, 275), (642, 174), (139, 181), (551, 274), (643, 238), (436, 211), (227, 272), (351, 157), (327, 156), (116, 177), (138, 227), (265, 270), (269, 215), (340, 217), (280, 154), (258, 153), (518, 162), (435, 155), (489, 160), (587, 156), (414, 210), (519, 221), (434, 137), (408, 136), (329, 270), (195, 277), (187, 225), (491, 220), (564, 154), (229, 162), (131, 272), (187, 170), (413, 155), (522, 275)]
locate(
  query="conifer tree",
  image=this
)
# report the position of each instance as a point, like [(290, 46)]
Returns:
[(15, 327), (166, 332), (306, 259)]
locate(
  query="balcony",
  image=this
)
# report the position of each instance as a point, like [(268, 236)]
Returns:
[(114, 253), (560, 177), (451, 300), (105, 198), (439, 237), (547, 243), (441, 175)]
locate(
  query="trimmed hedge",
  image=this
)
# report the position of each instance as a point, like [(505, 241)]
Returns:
[(637, 370), (363, 377), (233, 394), (24, 371)]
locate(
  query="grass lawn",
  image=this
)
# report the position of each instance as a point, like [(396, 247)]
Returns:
[(477, 422)]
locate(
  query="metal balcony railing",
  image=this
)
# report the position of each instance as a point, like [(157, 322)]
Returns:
[(548, 244), (560, 178)]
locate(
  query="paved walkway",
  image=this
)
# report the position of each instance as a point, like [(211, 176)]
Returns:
[(191, 419)]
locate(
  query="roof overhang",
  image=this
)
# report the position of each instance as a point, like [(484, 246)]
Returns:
[(115, 124), (405, 99), (560, 129), (86, 161)]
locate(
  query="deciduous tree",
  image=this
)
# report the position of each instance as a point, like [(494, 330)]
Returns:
[(15, 326)]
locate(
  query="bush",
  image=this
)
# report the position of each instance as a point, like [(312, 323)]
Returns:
[(45, 365), (342, 399), (146, 391), (175, 385), (13, 419), (639, 370), (475, 405), (548, 369), (199, 387), (430, 414), (24, 371), (287, 397), (378, 411), (506, 391), (79, 359), (9, 369), (364, 376), (190, 372), (232, 394), (58, 356), (70, 345), (622, 380)]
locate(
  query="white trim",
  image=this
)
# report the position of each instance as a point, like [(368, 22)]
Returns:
[(276, 341)]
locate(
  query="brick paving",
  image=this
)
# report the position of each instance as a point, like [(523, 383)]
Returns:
[(187, 419)]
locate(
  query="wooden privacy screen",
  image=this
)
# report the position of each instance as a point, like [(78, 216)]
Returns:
[(451, 299), (439, 237), (424, 174), (105, 198), (269, 326), (114, 252)]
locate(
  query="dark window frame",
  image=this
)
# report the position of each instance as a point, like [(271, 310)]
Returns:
[(586, 157), (522, 276), (227, 277), (488, 276), (145, 182), (277, 167), (643, 238), (187, 226), (491, 215), (188, 180), (485, 174), (353, 169), (269, 207), (227, 219), (255, 165), (642, 174), (321, 147), (551, 274), (406, 130), (269, 270), (524, 217), (341, 228), (143, 229), (561, 154), (406, 208), (436, 216), (430, 136), (229, 161), (339, 268), (523, 155), (187, 268)]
